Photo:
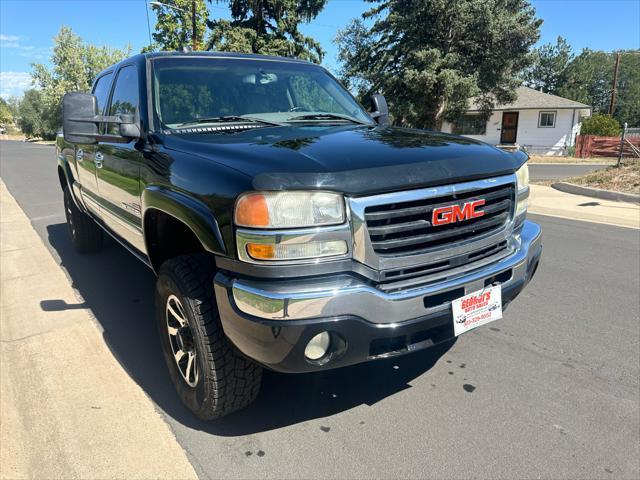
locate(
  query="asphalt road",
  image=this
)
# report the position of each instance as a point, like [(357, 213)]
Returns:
[(552, 390), (550, 171)]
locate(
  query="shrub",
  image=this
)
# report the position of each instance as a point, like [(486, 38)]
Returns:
[(601, 125)]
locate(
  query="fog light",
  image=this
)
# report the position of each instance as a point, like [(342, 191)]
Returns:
[(318, 346)]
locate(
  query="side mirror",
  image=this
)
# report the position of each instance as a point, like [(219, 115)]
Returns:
[(129, 128), (76, 109), (380, 109), (81, 121)]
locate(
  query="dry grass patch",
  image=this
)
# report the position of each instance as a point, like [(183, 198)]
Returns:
[(553, 159), (624, 179)]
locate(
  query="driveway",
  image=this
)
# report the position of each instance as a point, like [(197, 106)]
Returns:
[(550, 391)]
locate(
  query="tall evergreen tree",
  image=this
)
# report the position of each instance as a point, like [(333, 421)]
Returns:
[(174, 25), (431, 57), (589, 79), (549, 67), (269, 27)]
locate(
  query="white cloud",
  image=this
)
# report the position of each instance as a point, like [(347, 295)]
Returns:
[(14, 83), (13, 41), (8, 38)]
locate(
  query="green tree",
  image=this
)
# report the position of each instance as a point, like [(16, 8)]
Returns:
[(628, 104), (600, 124), (430, 58), (5, 112), (32, 116), (174, 25), (75, 66), (549, 65), (589, 79), (269, 27)]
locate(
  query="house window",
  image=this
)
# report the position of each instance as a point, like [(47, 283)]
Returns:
[(470, 125), (547, 120)]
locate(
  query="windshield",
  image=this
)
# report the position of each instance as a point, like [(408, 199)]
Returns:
[(202, 91)]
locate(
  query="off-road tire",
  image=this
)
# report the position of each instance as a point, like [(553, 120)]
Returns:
[(86, 235), (227, 380)]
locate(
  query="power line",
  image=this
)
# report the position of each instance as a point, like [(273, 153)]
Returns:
[(146, 9)]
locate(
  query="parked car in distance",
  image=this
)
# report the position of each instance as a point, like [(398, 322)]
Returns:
[(288, 228)]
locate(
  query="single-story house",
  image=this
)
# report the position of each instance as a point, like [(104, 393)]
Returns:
[(542, 124)]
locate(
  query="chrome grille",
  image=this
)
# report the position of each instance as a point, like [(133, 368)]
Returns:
[(404, 228), (413, 277)]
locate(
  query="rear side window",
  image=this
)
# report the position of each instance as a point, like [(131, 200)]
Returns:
[(101, 91), (126, 95)]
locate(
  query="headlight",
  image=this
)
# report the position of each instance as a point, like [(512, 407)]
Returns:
[(522, 179), (522, 176), (289, 209)]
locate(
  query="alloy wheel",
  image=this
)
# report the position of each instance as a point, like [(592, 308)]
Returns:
[(181, 341)]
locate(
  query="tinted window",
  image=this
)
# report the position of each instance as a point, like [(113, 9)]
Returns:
[(125, 99), (192, 89), (310, 95), (101, 91)]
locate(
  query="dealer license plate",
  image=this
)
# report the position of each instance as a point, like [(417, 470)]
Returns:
[(476, 309)]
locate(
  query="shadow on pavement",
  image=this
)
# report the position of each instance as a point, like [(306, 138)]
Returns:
[(120, 292)]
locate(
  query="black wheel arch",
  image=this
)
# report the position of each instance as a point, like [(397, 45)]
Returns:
[(187, 222)]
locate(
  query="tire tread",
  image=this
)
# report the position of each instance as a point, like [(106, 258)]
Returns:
[(235, 380)]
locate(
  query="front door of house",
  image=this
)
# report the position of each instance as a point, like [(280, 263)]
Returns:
[(509, 127)]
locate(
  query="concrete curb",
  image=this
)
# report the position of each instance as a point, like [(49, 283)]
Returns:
[(596, 192)]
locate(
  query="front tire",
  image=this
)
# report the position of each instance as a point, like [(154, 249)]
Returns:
[(86, 235), (210, 376)]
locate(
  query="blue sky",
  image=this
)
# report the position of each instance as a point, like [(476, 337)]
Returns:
[(27, 27)]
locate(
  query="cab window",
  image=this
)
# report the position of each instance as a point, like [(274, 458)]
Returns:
[(101, 91), (126, 94)]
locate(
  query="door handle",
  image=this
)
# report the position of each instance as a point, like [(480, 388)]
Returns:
[(98, 159), (80, 155)]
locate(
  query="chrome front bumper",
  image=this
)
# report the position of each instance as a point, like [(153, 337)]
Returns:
[(347, 295)]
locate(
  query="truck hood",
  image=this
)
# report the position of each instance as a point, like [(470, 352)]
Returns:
[(356, 160)]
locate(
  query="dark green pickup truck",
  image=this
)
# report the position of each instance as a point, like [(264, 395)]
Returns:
[(288, 228)]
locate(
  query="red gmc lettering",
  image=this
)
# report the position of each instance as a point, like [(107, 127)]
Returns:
[(456, 213)]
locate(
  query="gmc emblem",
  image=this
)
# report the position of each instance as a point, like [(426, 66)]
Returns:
[(456, 213)]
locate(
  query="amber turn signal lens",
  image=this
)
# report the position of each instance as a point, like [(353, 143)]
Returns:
[(252, 210), (261, 251)]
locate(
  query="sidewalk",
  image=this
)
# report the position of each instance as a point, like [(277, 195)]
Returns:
[(67, 407), (549, 201)]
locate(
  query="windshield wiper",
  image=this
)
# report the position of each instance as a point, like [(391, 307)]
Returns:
[(328, 116), (228, 119)]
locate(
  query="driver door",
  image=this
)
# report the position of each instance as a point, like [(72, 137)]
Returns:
[(118, 172), (86, 162)]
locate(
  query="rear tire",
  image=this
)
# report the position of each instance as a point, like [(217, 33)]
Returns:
[(211, 377), (85, 233)]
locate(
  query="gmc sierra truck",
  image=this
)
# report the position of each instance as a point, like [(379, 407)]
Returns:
[(289, 228)]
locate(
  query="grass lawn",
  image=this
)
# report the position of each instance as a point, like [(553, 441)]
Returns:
[(624, 179)]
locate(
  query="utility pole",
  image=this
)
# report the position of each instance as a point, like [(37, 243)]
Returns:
[(194, 31), (612, 104)]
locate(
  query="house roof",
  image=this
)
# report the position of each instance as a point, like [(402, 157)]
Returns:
[(528, 98)]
